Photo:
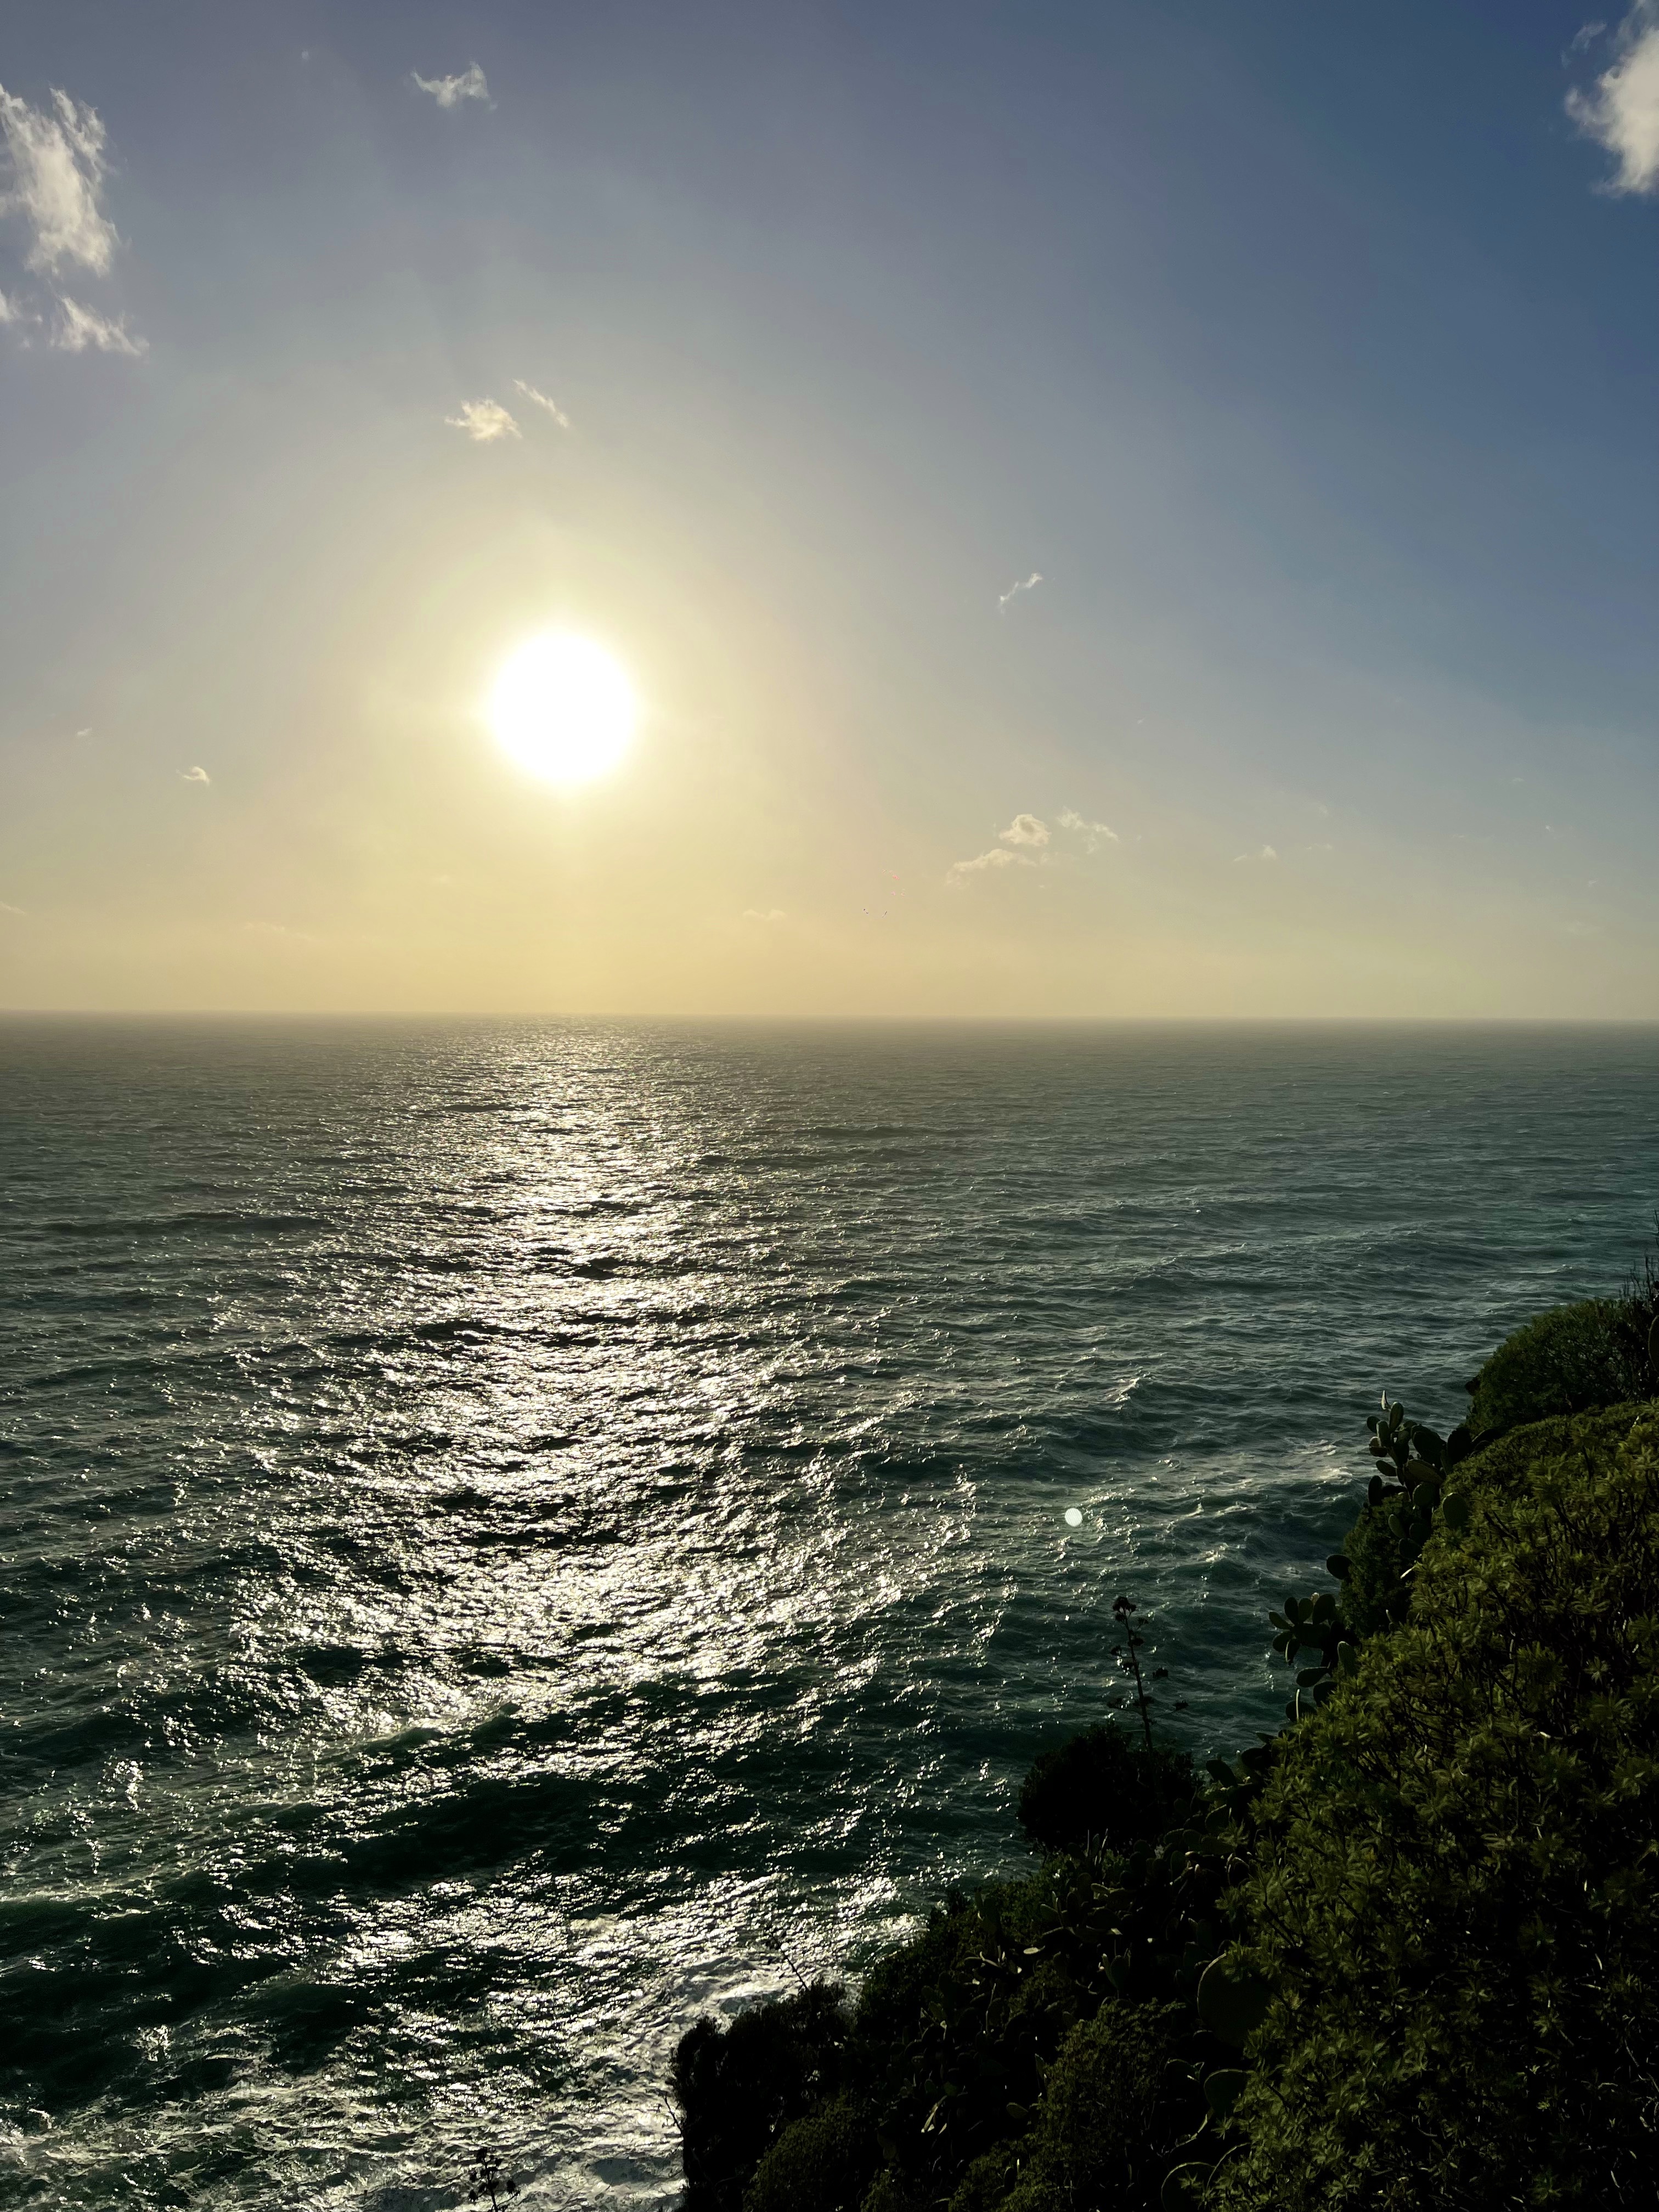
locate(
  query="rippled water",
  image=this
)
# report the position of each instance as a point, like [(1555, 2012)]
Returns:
[(516, 1532)]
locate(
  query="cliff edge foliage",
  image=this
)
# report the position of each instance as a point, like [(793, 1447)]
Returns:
[(1404, 1954)]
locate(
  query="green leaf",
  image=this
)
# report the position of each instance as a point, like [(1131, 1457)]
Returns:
[(1232, 2000), (1454, 1506), (1338, 1564)]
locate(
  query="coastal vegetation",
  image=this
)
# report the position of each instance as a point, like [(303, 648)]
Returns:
[(1403, 1953)]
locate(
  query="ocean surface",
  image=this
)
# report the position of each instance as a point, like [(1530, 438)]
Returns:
[(513, 1533)]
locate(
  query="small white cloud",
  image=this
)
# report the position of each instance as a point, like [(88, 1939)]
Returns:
[(1029, 583), (195, 776), (1091, 832), (451, 91), (6, 907), (1267, 853), (56, 164), (86, 733), (79, 327), (483, 421), (764, 914), (1622, 113), (1027, 832), (540, 399)]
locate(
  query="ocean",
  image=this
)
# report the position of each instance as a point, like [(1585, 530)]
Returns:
[(515, 1533)]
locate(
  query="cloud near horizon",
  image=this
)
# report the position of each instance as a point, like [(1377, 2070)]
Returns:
[(1622, 113), (451, 91), (483, 421), (1028, 834)]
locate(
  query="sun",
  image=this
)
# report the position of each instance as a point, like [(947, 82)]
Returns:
[(563, 707)]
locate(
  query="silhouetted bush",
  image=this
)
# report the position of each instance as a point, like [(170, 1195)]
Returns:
[(739, 2086), (1102, 1790), (823, 2163)]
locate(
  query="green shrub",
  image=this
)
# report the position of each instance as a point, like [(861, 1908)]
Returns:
[(739, 2086), (823, 2163), (1569, 1361), (1119, 2100), (1101, 1789), (1453, 1891)]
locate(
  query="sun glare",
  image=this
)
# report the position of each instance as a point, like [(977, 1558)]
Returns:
[(563, 707)]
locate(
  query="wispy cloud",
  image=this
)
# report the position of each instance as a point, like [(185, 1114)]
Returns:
[(1622, 112), (194, 776), (1028, 584), (764, 914), (540, 399), (1091, 832), (485, 421), (77, 327), (6, 907), (1024, 829), (56, 164), (451, 91), (1265, 853)]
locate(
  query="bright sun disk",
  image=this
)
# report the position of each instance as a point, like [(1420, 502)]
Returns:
[(563, 707)]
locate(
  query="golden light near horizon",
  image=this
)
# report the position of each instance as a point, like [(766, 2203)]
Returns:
[(563, 707)]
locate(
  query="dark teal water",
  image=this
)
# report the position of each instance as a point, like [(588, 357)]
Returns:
[(515, 1532)]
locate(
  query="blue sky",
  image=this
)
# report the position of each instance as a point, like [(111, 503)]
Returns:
[(1305, 354)]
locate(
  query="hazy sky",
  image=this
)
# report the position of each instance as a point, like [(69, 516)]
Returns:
[(1148, 506)]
